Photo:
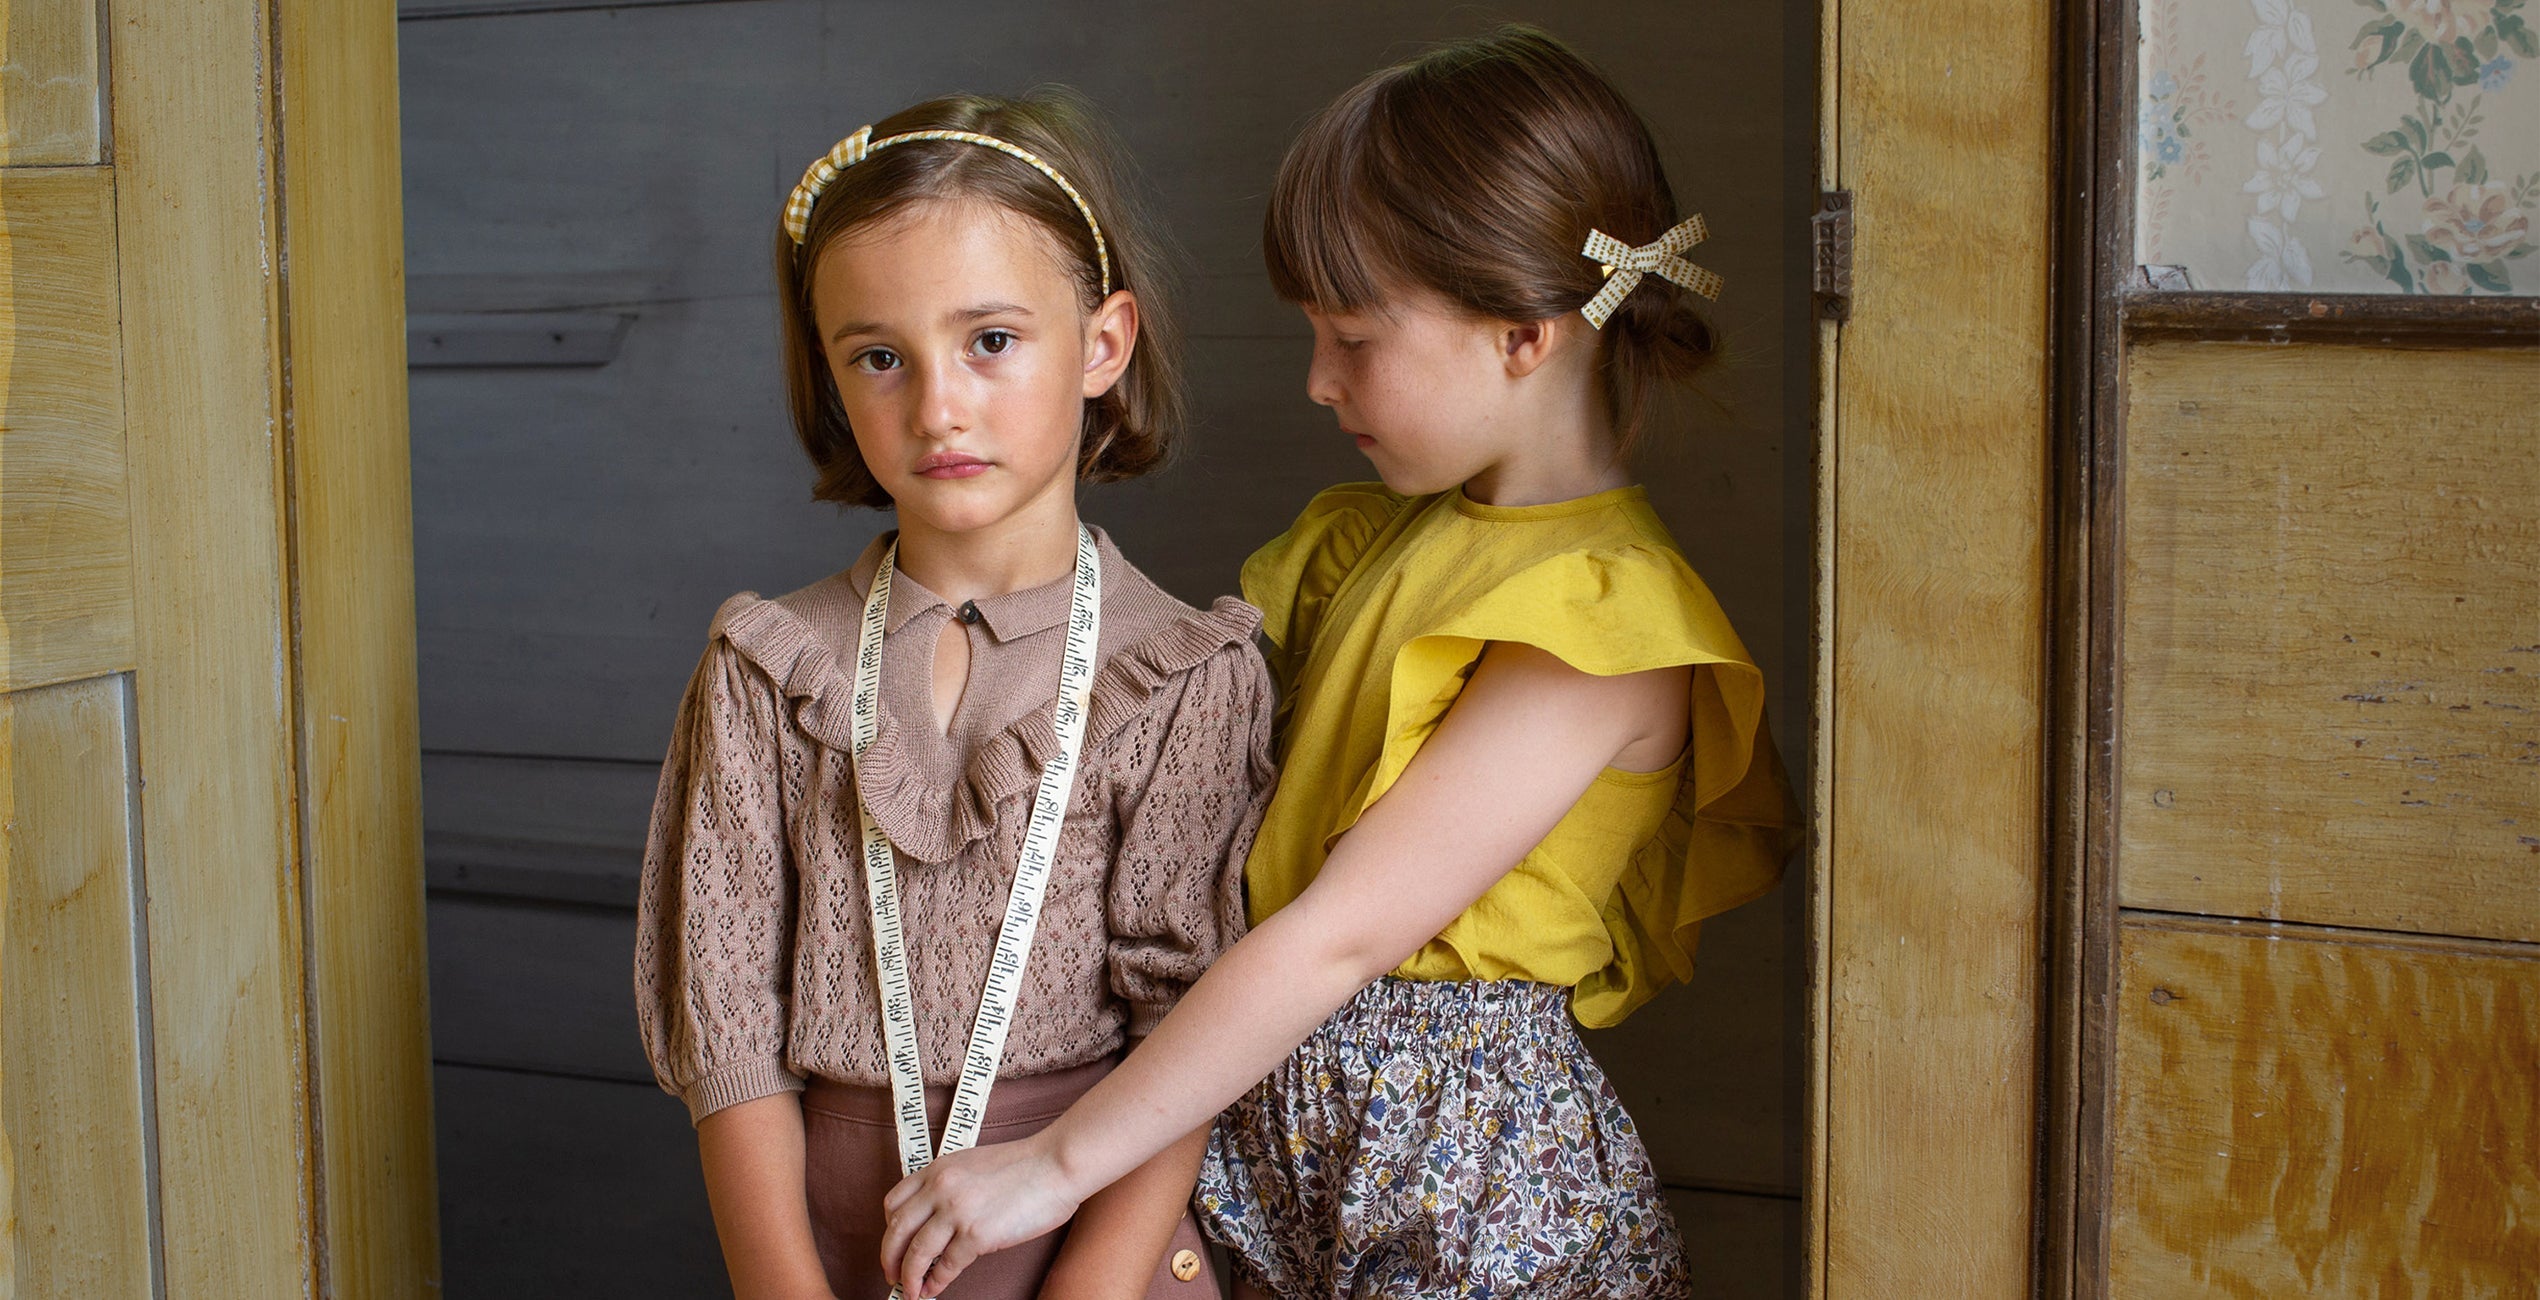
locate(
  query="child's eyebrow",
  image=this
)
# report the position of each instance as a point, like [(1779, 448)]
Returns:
[(987, 309), (962, 315)]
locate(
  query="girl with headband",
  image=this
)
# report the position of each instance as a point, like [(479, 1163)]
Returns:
[(940, 836), (1522, 752)]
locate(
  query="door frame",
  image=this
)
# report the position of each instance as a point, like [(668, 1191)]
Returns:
[(259, 236), (1929, 869)]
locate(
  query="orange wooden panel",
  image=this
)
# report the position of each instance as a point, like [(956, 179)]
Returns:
[(2330, 632), (2324, 1113), (65, 526)]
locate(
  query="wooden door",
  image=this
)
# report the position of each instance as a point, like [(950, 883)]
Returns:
[(2178, 764), (2299, 1047), (213, 1080)]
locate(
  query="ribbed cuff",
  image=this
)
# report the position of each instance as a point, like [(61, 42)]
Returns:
[(1144, 1017), (734, 1084)]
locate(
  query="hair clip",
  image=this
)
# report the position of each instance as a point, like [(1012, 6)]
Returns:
[(857, 147), (1624, 265)]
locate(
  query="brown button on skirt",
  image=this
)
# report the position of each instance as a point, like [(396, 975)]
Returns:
[(852, 1160)]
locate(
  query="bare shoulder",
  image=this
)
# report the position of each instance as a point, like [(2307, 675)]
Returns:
[(1645, 715)]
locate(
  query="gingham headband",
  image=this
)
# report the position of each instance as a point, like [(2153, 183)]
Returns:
[(855, 148)]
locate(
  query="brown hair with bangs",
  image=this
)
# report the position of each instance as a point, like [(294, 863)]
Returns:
[(1129, 430), (1476, 171)]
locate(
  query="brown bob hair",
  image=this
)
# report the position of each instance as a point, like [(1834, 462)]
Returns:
[(1129, 430), (1476, 171)]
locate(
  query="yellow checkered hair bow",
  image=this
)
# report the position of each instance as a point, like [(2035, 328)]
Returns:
[(1624, 265), (855, 148)]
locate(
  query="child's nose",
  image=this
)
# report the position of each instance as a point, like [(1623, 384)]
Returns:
[(942, 400), (1322, 381)]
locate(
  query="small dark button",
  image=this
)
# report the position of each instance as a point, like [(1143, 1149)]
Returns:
[(969, 612)]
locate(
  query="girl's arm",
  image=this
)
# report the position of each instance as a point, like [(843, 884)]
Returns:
[(1117, 1238), (713, 938), (1515, 752), (753, 1158)]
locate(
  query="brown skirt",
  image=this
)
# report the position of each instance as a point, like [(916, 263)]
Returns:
[(852, 1160)]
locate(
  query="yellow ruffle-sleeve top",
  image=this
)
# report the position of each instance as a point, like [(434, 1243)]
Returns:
[(1379, 605)]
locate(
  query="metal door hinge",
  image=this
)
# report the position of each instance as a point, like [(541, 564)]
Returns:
[(1831, 233)]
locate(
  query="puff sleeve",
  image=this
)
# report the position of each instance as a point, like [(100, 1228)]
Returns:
[(715, 920), (1176, 899)]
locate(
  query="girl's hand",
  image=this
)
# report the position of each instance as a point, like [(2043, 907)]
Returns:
[(967, 1204)]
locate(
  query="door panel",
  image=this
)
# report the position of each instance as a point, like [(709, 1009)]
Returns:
[(2302, 874), (65, 533), (2313, 1112), (2330, 663), (71, 1086), (48, 84)]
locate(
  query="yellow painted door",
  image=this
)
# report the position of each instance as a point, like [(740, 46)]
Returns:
[(214, 1076)]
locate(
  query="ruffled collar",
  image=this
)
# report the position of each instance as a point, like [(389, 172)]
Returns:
[(930, 816)]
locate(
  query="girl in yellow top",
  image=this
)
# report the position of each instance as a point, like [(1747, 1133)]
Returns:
[(1523, 751)]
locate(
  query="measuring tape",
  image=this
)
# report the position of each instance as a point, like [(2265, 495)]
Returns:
[(1031, 871)]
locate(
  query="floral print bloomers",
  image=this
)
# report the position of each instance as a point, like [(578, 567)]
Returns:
[(1441, 1138)]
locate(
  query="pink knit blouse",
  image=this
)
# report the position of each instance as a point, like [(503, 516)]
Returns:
[(753, 951)]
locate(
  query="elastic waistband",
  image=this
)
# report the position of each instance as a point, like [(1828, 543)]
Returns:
[(1029, 1099), (1455, 1013)]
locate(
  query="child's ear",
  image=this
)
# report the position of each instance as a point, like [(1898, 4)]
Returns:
[(1111, 338), (1525, 345)]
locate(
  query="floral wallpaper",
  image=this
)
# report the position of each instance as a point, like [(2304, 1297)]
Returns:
[(2345, 146)]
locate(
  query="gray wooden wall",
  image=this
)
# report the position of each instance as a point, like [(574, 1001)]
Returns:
[(601, 456)]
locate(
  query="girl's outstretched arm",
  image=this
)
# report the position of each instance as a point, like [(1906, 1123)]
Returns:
[(753, 1158), (1515, 752)]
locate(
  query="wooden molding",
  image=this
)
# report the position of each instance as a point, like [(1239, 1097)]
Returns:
[(351, 571), (2397, 319), (2093, 140)]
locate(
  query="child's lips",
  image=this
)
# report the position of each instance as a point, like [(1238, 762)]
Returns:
[(1364, 442), (951, 464)]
